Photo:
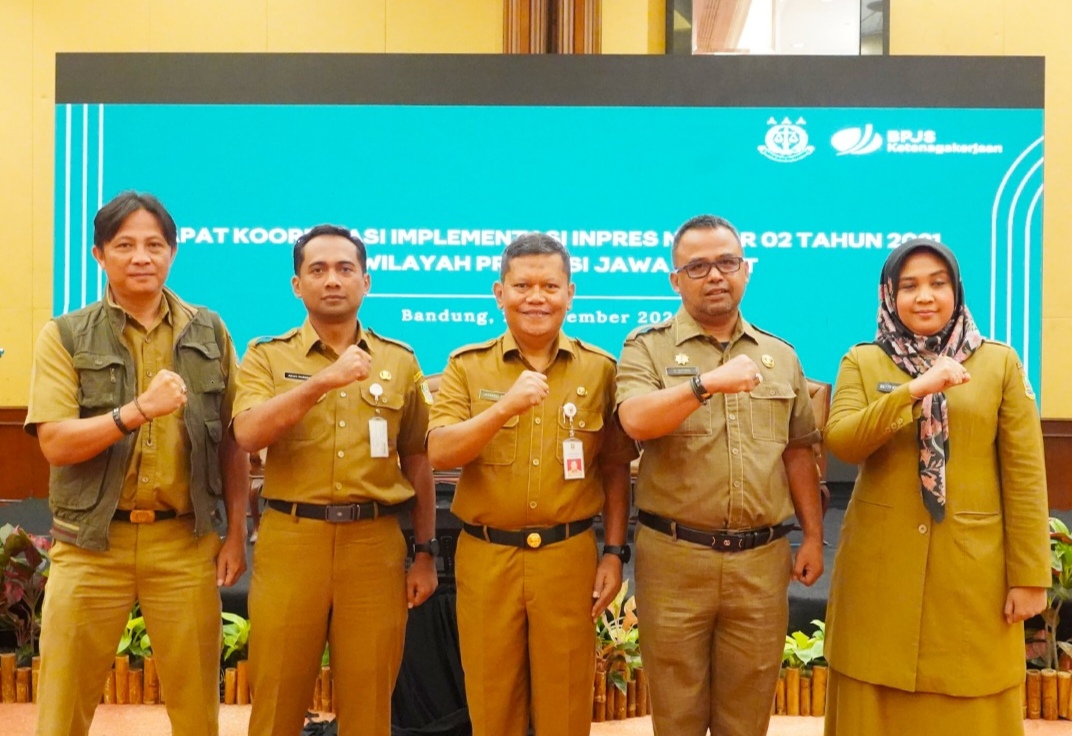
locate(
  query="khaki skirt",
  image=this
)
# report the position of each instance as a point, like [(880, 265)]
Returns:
[(856, 708)]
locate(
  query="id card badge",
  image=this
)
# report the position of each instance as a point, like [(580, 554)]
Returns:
[(377, 432), (573, 458)]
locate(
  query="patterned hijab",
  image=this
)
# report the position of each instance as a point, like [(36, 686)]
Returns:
[(914, 354)]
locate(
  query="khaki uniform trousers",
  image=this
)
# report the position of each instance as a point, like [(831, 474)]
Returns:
[(314, 581), (526, 635), (712, 633), (89, 597)]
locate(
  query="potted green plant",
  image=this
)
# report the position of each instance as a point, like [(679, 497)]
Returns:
[(802, 655), (24, 565), (1059, 593), (618, 655)]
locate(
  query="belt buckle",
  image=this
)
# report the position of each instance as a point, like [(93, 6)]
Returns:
[(142, 516), (533, 540), (341, 513)]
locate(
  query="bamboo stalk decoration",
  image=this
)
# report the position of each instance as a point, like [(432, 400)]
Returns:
[(779, 695), (109, 688), (230, 679), (242, 682), (1064, 694), (151, 688), (35, 666), (621, 706), (134, 681), (122, 679), (805, 694), (599, 692), (630, 699), (1049, 695), (609, 713), (325, 687), (22, 685), (642, 692), (7, 677), (792, 691), (1034, 694), (316, 696), (818, 690)]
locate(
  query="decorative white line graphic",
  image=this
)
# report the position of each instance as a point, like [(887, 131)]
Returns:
[(1027, 276)]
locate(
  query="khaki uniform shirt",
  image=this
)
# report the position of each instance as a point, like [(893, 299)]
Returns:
[(326, 457), (518, 480), (158, 476), (722, 467)]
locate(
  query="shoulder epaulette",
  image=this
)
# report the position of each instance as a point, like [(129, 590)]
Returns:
[(594, 349), (644, 329), (475, 346), (405, 346), (772, 335), (998, 342), (275, 338)]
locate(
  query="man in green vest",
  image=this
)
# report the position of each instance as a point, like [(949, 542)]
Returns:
[(128, 398)]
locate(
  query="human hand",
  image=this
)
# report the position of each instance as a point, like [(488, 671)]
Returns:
[(1023, 603), (421, 580), (808, 563), (166, 393), (739, 374), (607, 584), (945, 372), (529, 390), (231, 560), (353, 365)]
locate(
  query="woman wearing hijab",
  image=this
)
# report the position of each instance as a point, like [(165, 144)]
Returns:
[(944, 550)]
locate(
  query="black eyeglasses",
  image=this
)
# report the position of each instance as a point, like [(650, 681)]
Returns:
[(700, 269)]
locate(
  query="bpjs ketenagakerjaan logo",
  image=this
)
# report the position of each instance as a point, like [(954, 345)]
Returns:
[(861, 141), (786, 141)]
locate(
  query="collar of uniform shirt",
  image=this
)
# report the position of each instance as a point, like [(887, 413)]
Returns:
[(509, 344), (311, 340), (686, 328)]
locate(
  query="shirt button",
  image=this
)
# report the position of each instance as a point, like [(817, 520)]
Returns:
[(532, 504), (342, 422), (536, 461), (341, 453), (149, 374), (736, 484), (732, 416), (922, 528), (338, 486), (735, 451), (145, 479), (342, 394), (580, 424), (536, 420)]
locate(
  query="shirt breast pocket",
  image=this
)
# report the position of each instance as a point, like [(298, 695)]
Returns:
[(502, 448), (387, 405), (100, 380), (587, 426), (771, 405), (202, 363)]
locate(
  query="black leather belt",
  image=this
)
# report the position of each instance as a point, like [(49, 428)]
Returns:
[(720, 541), (531, 538), (340, 513), (144, 516)]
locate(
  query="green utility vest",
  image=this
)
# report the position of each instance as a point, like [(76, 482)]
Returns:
[(84, 496)]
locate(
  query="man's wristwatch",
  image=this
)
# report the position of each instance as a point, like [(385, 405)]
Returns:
[(698, 390), (431, 547), (622, 551)]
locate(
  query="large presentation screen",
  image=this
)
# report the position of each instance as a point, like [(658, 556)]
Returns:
[(823, 165)]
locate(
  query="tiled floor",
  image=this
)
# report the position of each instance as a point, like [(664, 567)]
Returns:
[(151, 720)]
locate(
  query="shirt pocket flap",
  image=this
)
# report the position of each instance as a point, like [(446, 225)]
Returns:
[(387, 400), (773, 390), (583, 421)]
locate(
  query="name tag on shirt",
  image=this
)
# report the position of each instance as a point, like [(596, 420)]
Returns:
[(297, 376), (682, 370), (886, 387), (491, 395)]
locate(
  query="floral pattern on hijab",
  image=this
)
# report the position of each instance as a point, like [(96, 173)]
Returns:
[(914, 354)]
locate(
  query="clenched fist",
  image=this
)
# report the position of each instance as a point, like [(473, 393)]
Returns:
[(166, 393), (353, 365), (739, 374), (528, 390), (944, 373)]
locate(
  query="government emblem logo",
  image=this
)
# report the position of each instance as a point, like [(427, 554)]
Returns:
[(786, 141)]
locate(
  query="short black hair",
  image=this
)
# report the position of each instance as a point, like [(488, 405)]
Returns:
[(534, 244), (316, 232), (703, 222), (111, 217)]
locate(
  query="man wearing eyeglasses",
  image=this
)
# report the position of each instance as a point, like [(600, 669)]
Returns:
[(721, 410)]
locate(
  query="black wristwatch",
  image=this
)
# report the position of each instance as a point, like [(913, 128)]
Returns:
[(431, 547), (623, 551), (698, 390)]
